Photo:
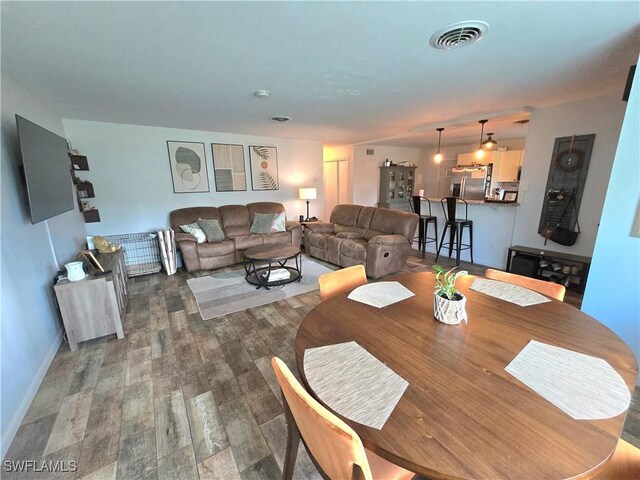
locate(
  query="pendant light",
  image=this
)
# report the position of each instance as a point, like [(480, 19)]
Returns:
[(480, 151), (438, 156), (489, 143)]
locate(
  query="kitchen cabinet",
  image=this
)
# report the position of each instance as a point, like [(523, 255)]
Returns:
[(470, 158), (508, 166), (396, 187)]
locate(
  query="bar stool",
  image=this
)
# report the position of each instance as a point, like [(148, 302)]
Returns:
[(456, 227), (415, 203)]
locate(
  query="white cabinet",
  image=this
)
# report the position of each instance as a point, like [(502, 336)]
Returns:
[(505, 164), (508, 166), (470, 158)]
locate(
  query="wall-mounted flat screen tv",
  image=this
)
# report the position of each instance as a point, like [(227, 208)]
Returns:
[(47, 170)]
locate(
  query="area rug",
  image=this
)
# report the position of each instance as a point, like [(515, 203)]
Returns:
[(229, 292)]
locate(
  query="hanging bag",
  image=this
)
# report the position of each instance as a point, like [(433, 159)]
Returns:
[(559, 234)]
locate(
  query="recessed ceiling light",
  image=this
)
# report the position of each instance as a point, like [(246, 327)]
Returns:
[(280, 118), (459, 34), (262, 93)]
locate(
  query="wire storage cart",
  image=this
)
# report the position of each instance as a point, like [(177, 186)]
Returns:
[(141, 252)]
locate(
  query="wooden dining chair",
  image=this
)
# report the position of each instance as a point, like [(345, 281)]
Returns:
[(335, 449), (623, 465), (550, 289), (342, 280)]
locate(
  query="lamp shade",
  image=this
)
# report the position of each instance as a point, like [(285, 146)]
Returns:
[(307, 193)]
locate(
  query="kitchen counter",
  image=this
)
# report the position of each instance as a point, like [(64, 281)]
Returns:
[(492, 229), (496, 203)]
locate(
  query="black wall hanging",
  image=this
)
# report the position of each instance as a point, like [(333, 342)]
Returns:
[(567, 176)]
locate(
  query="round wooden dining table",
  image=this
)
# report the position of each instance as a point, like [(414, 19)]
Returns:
[(462, 415)]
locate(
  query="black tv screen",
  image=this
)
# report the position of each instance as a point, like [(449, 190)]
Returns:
[(47, 170)]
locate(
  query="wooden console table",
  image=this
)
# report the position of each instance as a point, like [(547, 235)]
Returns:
[(566, 259), (95, 306)]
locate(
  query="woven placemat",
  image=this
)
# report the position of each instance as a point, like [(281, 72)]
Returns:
[(508, 292), (582, 386), (354, 383), (380, 294)]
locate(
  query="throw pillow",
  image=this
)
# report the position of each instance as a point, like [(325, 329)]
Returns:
[(278, 224), (195, 230), (262, 223), (212, 230)]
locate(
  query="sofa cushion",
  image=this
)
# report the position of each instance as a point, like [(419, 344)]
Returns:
[(235, 220), (215, 249), (185, 216), (319, 240), (345, 215), (365, 216), (356, 249), (279, 223), (195, 230), (211, 229), (265, 207), (262, 222), (351, 234), (279, 238), (386, 221), (242, 242)]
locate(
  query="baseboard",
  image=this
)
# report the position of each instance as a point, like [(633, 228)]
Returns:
[(14, 425)]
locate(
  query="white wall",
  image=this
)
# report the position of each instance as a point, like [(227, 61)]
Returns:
[(366, 169), (31, 256), (602, 116), (129, 169), (613, 289)]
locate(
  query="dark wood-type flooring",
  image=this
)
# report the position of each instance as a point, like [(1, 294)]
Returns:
[(179, 397)]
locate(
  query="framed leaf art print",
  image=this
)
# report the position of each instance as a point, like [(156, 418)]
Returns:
[(264, 167)]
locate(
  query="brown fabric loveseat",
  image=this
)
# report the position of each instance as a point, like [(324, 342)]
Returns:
[(378, 238), (235, 221)]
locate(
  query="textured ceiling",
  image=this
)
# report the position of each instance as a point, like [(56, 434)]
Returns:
[(345, 72)]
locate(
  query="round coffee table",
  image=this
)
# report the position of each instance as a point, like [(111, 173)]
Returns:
[(275, 256)]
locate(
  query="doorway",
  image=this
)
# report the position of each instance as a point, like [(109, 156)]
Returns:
[(336, 181)]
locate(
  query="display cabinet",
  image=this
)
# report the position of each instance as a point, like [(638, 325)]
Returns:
[(396, 187)]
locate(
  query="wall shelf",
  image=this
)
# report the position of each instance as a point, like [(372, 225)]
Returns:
[(79, 163), (84, 189), (91, 216)]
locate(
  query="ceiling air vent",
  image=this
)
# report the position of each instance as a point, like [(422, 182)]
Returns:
[(459, 34), (280, 118)]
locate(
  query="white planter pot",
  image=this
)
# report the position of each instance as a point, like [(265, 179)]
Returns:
[(448, 311), (75, 271)]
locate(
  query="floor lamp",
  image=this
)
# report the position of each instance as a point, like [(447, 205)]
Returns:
[(307, 194)]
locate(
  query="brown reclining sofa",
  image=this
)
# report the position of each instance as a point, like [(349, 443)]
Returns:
[(235, 221), (378, 238)]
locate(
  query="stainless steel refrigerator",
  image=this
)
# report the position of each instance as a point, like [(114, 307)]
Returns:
[(471, 182)]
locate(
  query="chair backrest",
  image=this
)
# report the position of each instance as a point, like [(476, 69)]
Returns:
[(342, 280), (416, 202), (333, 444), (554, 290), (623, 465), (449, 205)]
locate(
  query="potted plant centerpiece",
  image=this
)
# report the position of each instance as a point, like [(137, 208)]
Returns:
[(448, 302)]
